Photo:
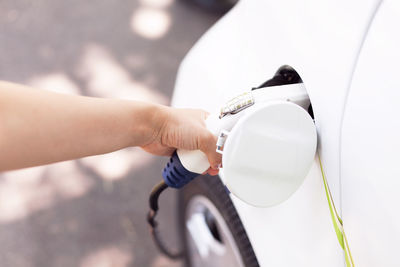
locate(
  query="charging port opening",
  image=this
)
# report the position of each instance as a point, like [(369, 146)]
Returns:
[(283, 76)]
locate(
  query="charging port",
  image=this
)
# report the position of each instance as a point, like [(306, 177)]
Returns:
[(283, 76)]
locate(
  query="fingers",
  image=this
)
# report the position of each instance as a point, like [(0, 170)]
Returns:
[(208, 146), (168, 151), (203, 115), (212, 172), (210, 140), (159, 150)]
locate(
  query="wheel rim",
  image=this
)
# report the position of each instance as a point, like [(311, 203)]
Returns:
[(210, 242)]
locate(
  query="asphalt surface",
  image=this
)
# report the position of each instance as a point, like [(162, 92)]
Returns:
[(91, 212)]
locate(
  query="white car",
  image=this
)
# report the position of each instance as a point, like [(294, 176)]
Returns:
[(346, 53)]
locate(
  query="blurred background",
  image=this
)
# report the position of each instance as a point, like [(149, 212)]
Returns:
[(91, 212)]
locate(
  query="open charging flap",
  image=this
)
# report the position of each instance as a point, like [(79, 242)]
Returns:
[(268, 153)]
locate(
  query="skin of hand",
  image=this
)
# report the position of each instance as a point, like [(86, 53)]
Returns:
[(40, 127), (185, 129)]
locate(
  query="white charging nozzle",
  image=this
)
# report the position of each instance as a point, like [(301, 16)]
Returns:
[(268, 142)]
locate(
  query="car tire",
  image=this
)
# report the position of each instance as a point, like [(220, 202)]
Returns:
[(211, 230)]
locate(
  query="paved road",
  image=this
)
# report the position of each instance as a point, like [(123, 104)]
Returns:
[(91, 212)]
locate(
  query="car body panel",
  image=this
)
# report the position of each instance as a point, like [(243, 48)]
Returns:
[(321, 40), (371, 143)]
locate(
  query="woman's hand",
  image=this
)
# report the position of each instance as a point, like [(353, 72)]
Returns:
[(184, 129)]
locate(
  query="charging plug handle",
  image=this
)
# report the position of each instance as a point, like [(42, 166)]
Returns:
[(175, 174)]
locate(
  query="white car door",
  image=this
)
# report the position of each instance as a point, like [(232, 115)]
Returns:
[(370, 168)]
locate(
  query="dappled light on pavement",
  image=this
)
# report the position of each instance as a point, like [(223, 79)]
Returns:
[(116, 165), (108, 257), (55, 82), (27, 191), (150, 23), (162, 261), (150, 20), (105, 77), (156, 3), (91, 212)]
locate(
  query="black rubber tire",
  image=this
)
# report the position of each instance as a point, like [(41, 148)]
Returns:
[(213, 189)]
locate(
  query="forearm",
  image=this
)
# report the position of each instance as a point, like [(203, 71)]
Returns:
[(39, 127)]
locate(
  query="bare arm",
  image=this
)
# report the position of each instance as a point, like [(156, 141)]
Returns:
[(40, 127)]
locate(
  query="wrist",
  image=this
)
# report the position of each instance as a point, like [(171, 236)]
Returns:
[(147, 122), (160, 118)]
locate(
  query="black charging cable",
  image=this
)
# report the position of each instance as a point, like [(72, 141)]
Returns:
[(153, 201)]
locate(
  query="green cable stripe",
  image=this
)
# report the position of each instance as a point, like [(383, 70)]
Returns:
[(332, 210), (347, 253), (337, 221)]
